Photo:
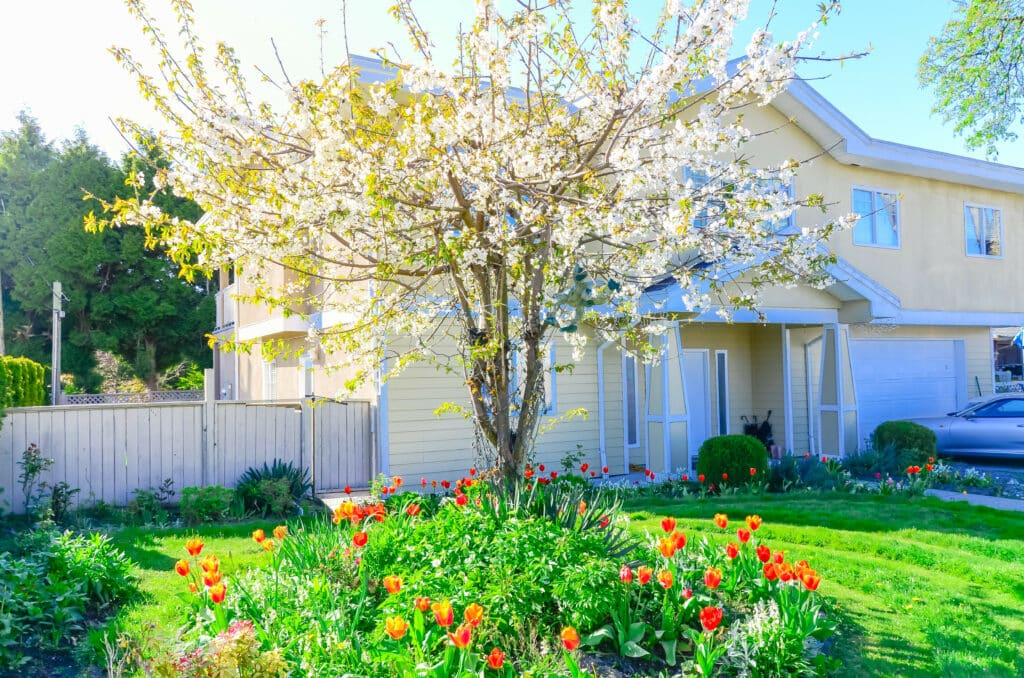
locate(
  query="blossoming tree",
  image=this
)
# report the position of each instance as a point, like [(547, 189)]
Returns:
[(538, 186)]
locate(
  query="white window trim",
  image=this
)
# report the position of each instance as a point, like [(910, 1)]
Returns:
[(899, 217), (626, 361), (270, 379), (1002, 244)]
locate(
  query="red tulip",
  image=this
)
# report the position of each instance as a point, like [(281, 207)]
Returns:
[(764, 554), (413, 510), (700, 478), (625, 574), (584, 467), (495, 659), (743, 535), (541, 467), (604, 521), (687, 593), (643, 574), (570, 639), (753, 471), (359, 539), (604, 469), (779, 557), (422, 603), (725, 476), (472, 471), (679, 538), (668, 524), (711, 617), (731, 550), (461, 500), (770, 573), (348, 489), (712, 577), (811, 580)]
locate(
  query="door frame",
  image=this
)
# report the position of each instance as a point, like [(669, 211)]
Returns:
[(705, 354)]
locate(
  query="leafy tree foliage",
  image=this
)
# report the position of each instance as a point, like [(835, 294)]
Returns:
[(976, 68), (121, 296), (533, 190)]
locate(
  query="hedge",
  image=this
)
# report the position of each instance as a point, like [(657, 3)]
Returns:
[(22, 382)]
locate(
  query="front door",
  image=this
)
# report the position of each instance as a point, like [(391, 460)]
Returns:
[(698, 403)]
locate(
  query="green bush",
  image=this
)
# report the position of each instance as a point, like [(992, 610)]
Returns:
[(22, 382), (150, 506), (50, 587), (205, 504), (734, 455), (785, 475), (900, 444), (261, 493)]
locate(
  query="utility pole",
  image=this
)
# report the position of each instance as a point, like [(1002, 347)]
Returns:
[(58, 313)]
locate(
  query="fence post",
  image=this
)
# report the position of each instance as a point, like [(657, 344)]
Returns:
[(307, 445), (209, 425)]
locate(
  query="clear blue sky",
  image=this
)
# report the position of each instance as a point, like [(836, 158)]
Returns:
[(53, 57)]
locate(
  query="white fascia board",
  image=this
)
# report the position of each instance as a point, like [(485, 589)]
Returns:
[(960, 318), (850, 145)]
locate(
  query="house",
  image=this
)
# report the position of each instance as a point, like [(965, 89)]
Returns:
[(904, 329)]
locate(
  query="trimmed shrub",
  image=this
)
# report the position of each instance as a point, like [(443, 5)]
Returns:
[(22, 382), (734, 455), (900, 444)]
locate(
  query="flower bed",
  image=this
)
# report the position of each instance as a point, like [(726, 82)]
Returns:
[(490, 579)]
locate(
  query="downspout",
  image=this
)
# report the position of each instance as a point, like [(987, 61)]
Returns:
[(600, 403)]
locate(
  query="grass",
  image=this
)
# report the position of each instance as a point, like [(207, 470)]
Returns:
[(921, 587)]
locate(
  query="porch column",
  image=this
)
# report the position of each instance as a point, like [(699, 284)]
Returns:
[(838, 403)]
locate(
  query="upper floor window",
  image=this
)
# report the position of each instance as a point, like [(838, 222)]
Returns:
[(715, 207), (983, 228), (879, 222)]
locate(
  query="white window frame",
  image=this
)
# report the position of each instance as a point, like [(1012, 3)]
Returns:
[(782, 227), (1002, 246), (722, 391), (270, 379), (899, 217), (627, 361)]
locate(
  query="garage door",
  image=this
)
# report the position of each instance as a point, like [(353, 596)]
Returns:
[(899, 378)]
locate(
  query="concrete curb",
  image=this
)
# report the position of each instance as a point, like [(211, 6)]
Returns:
[(1002, 503)]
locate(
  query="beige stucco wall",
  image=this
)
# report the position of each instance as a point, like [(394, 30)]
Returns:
[(930, 270)]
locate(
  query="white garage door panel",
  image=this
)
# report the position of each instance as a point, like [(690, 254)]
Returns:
[(897, 379)]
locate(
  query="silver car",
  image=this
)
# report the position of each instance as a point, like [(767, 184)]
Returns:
[(994, 427)]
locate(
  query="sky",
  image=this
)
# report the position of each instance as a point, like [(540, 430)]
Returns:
[(54, 60)]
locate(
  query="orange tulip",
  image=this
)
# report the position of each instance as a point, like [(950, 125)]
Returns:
[(217, 592), (258, 536), (280, 532), (732, 550), (712, 577), (667, 547), (753, 522), (413, 510), (665, 579), (393, 583), (679, 539), (422, 603), (395, 627), (770, 573), (721, 520), (462, 636), (194, 546), (443, 613), (570, 639), (212, 577), (811, 580), (181, 567), (268, 545), (643, 574), (210, 564), (474, 614)]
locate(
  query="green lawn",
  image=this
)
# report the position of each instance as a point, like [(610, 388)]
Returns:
[(922, 587)]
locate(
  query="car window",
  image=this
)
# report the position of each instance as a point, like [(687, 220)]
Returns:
[(1013, 407)]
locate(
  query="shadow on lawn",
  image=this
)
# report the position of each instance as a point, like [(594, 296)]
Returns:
[(893, 656), (859, 513)]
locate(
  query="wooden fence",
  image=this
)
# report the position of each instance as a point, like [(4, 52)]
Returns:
[(108, 451)]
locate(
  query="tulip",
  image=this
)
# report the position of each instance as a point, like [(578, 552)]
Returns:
[(446, 484), (605, 520), (712, 577), (268, 545), (753, 471), (462, 636), (665, 579), (217, 592), (474, 614), (625, 574), (731, 550), (193, 588), (811, 580), (770, 573), (725, 476), (443, 613), (721, 520), (779, 557), (495, 659), (359, 539), (461, 500), (258, 536), (700, 478), (743, 535), (395, 627), (687, 593), (667, 547), (679, 539), (541, 468), (584, 467), (393, 584), (643, 574), (397, 480), (413, 510), (570, 639), (710, 618), (212, 577), (194, 546), (583, 507), (754, 522), (181, 567), (604, 469), (422, 603), (668, 524), (764, 554), (280, 532), (348, 490), (210, 564)]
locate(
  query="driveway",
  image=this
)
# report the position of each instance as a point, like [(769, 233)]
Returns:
[(1007, 474)]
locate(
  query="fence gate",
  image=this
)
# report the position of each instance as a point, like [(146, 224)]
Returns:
[(342, 445)]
